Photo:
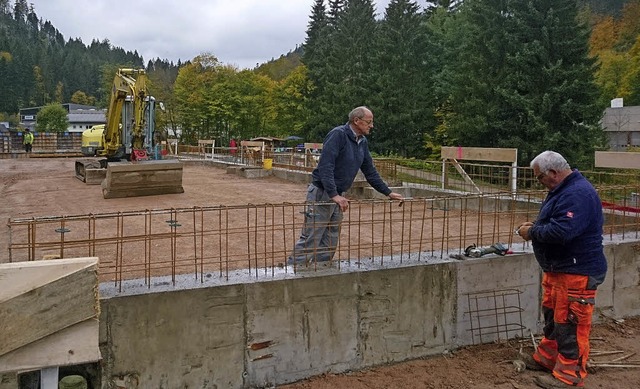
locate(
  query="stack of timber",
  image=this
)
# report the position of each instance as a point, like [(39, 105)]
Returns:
[(49, 312)]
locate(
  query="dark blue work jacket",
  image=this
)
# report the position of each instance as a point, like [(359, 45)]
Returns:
[(342, 156), (567, 236)]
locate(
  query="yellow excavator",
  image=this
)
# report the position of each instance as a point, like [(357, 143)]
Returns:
[(125, 145)]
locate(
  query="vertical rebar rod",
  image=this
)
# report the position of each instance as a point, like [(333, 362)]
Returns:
[(119, 244), (32, 239), (402, 230), (202, 228), (226, 245), (422, 224), (195, 243), (174, 249), (384, 224), (147, 248)]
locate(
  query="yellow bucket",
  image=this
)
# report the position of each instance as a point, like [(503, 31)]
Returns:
[(267, 163)]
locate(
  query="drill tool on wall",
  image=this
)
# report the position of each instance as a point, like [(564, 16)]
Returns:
[(474, 251)]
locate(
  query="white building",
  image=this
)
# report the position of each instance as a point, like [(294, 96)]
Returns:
[(81, 117)]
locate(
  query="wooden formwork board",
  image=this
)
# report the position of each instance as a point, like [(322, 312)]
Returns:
[(40, 299), (71, 346), (480, 154), (617, 159)]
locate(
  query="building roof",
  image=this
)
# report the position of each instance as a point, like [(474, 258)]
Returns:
[(87, 116), (266, 139), (68, 106)]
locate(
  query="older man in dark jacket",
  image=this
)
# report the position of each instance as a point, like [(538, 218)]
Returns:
[(567, 242), (345, 151)]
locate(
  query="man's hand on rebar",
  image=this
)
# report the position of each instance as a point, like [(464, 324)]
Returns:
[(396, 196), (341, 201), (523, 230)]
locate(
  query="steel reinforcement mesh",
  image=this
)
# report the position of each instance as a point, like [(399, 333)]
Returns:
[(257, 239)]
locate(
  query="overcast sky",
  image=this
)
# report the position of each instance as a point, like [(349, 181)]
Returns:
[(238, 32)]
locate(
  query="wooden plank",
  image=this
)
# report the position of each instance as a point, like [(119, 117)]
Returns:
[(71, 346), (313, 146), (617, 159), (250, 143), (40, 298), (480, 154)]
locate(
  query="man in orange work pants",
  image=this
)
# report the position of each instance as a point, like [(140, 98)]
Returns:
[(567, 243), (567, 306)]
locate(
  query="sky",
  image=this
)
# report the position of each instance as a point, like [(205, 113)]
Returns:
[(243, 33)]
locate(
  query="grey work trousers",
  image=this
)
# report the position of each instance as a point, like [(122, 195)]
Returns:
[(321, 230)]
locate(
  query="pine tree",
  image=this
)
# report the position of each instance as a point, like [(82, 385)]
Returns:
[(350, 61), (403, 72), (524, 79)]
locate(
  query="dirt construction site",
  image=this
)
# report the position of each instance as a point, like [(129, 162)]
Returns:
[(219, 249)]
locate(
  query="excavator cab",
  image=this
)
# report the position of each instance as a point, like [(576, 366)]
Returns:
[(92, 141)]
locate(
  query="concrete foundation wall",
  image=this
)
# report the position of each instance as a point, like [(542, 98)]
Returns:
[(262, 333), (272, 332)]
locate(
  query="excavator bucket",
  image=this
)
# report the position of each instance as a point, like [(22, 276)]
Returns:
[(142, 178)]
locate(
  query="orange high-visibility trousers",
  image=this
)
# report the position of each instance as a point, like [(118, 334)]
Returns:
[(567, 306)]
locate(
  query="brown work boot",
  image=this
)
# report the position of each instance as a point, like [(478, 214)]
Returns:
[(531, 363), (549, 382)]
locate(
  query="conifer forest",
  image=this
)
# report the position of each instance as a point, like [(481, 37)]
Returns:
[(531, 75)]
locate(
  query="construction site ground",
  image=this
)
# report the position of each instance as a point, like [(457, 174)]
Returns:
[(490, 366), (48, 187)]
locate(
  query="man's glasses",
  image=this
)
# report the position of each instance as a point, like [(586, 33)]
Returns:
[(540, 176), (366, 121)]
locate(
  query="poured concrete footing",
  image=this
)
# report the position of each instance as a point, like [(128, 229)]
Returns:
[(248, 171)]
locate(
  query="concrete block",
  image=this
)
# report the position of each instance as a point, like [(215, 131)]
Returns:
[(145, 178), (257, 172)]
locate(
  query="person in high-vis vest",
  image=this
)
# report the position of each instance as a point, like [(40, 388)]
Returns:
[(567, 243), (27, 140)]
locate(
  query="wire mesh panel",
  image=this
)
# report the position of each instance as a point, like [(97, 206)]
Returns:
[(495, 315)]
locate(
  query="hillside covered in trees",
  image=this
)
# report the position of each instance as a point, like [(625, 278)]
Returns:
[(532, 75)]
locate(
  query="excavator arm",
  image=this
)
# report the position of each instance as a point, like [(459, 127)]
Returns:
[(127, 82)]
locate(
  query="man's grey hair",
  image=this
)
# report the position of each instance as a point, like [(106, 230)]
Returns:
[(358, 113), (550, 160)]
